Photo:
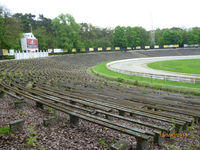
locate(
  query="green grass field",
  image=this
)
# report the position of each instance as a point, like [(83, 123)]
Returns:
[(183, 66), (102, 71)]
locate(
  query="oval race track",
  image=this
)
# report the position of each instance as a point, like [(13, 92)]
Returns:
[(139, 67)]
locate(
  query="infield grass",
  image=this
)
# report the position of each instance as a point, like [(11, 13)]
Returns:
[(102, 71), (183, 66)]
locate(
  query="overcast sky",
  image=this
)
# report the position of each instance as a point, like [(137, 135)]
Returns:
[(110, 13)]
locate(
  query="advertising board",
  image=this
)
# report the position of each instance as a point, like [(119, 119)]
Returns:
[(32, 43)]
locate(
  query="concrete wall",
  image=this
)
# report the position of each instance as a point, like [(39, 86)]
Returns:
[(22, 55)]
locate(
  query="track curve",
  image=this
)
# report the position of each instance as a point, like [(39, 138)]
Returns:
[(138, 66)]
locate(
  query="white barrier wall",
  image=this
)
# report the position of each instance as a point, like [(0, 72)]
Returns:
[(30, 55), (58, 50)]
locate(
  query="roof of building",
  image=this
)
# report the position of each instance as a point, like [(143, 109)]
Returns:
[(29, 35)]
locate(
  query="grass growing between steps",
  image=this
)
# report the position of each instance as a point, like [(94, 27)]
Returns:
[(102, 71), (5, 130)]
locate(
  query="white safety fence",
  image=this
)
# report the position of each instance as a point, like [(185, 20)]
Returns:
[(194, 80), (30, 55)]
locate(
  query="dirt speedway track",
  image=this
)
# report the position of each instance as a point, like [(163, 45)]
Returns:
[(114, 112)]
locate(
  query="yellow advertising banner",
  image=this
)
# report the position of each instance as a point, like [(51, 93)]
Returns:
[(91, 49), (166, 46), (74, 50), (129, 48), (117, 48), (5, 52), (108, 48), (100, 49), (176, 45), (138, 47), (147, 47), (156, 46)]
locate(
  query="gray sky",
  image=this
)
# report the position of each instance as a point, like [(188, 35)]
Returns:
[(110, 13)]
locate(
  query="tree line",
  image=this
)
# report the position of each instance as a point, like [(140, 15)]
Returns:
[(64, 32)]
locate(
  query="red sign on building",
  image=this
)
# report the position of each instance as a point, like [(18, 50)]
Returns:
[(32, 43)]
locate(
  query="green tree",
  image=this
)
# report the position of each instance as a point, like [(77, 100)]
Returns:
[(169, 36), (9, 30), (158, 36), (131, 36), (137, 36), (142, 37), (45, 33), (92, 36), (2, 29), (193, 36), (119, 36), (27, 21), (67, 32)]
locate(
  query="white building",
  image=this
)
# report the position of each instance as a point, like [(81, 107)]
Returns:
[(29, 43)]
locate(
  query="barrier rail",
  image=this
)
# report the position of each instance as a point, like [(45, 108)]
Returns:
[(156, 76), (117, 48)]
